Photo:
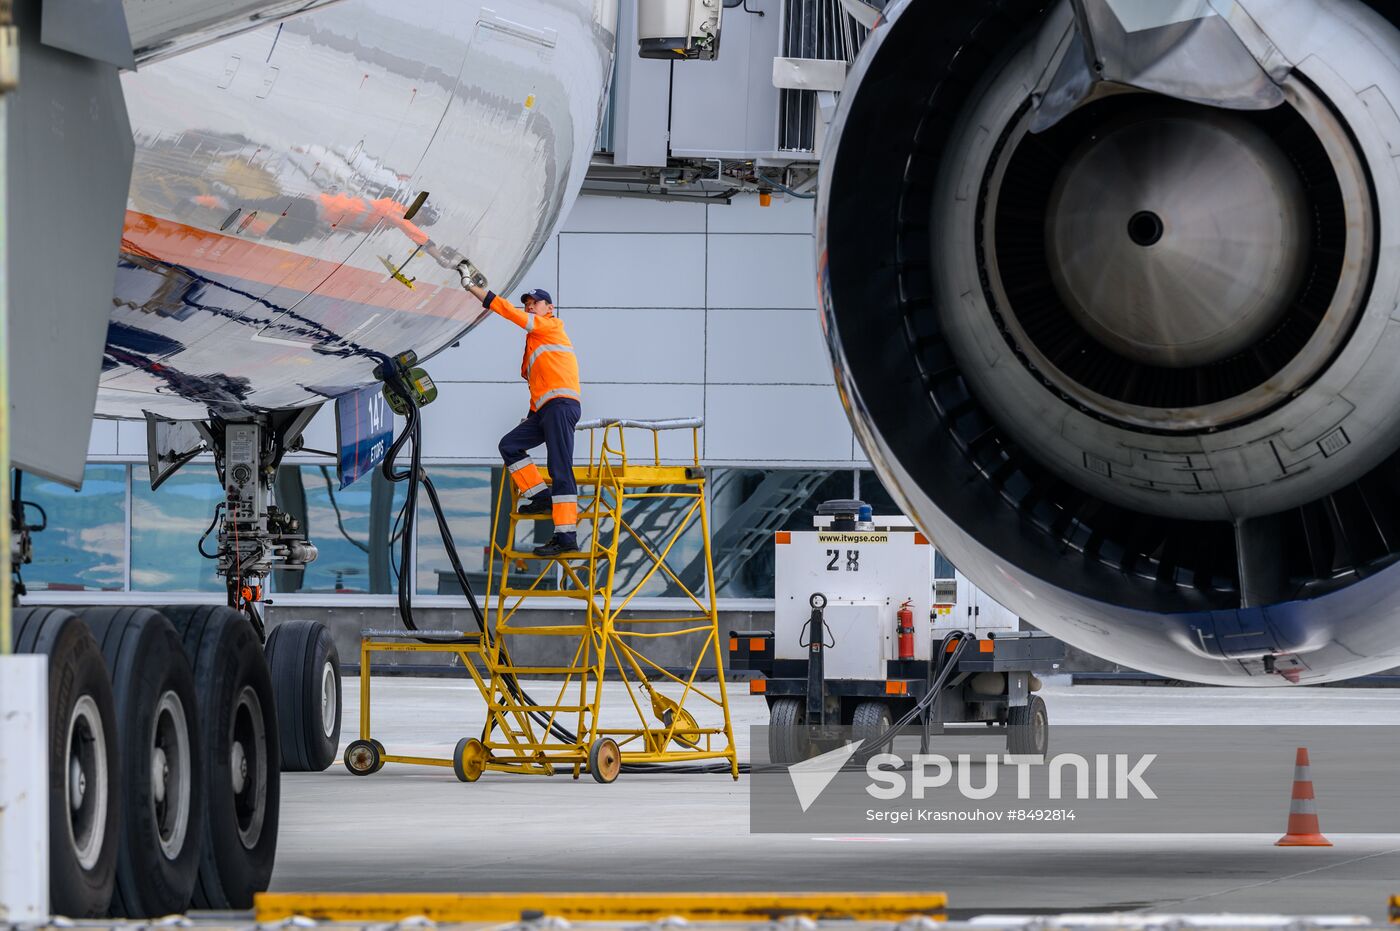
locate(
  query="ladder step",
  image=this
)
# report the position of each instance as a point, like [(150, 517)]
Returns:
[(554, 630), (544, 593), (582, 515), (571, 555), (545, 670), (514, 707)]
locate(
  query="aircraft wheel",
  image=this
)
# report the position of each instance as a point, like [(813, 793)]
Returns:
[(84, 768), (306, 680), (242, 758), (162, 775)]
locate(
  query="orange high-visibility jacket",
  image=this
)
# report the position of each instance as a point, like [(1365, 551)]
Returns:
[(549, 363)]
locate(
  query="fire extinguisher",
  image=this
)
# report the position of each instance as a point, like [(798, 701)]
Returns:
[(904, 629)]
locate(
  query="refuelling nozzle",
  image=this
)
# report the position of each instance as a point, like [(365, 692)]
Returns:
[(471, 276)]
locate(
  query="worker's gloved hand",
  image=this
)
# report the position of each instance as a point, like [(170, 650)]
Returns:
[(471, 275)]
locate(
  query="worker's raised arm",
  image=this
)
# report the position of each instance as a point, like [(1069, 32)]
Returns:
[(475, 283)]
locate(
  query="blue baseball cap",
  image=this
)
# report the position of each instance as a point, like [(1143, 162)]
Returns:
[(539, 294)]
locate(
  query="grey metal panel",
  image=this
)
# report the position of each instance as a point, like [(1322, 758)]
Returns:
[(69, 150), (761, 271), (631, 270), (766, 346), (491, 353), (608, 344), (729, 108), (545, 272), (746, 215), (655, 402), (776, 423), (642, 99), (595, 213), (102, 441), (91, 28), (467, 421)]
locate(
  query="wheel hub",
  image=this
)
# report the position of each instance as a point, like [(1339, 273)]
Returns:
[(160, 775), (86, 774), (238, 766), (328, 699), (77, 784)]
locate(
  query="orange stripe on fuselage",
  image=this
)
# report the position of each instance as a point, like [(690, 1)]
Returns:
[(219, 254)]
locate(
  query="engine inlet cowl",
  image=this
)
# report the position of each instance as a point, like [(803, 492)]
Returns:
[(1135, 372)]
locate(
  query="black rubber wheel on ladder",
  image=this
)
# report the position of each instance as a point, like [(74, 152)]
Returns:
[(84, 766), (1028, 728), (469, 759), (306, 680), (786, 731), (364, 757), (604, 760)]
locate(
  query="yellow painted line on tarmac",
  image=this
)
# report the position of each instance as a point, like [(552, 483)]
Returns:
[(597, 906)]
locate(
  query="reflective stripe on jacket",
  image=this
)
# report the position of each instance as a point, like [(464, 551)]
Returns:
[(549, 363)]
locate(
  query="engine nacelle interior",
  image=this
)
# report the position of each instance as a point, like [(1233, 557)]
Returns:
[(1129, 349)]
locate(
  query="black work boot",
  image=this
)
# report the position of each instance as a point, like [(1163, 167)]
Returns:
[(539, 505), (559, 543)]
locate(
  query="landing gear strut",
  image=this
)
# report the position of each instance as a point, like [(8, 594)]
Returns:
[(255, 536)]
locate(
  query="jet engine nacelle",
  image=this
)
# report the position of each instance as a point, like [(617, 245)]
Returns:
[(1112, 303)]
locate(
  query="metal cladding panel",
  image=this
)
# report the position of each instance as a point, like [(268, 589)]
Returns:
[(740, 347), (729, 108), (776, 423), (69, 140), (761, 271), (632, 270), (643, 89)]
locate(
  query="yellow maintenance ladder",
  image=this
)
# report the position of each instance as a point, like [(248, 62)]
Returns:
[(611, 702)]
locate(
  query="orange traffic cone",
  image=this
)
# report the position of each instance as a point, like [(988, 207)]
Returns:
[(1303, 829)]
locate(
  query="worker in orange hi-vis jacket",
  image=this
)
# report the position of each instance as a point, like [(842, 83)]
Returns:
[(551, 369)]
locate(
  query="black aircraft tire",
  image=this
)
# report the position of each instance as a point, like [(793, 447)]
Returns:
[(158, 729), (306, 680), (83, 841), (242, 758)]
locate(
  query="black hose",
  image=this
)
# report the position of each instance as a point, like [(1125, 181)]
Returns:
[(945, 669), (415, 476)]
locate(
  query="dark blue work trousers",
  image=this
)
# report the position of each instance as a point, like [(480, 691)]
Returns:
[(553, 425)]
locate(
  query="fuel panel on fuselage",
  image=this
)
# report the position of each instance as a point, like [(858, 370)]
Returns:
[(267, 259)]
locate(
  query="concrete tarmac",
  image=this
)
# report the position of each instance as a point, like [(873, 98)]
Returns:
[(410, 828)]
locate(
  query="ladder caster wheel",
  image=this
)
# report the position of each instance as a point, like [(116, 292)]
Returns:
[(604, 759), (469, 759), (364, 757)]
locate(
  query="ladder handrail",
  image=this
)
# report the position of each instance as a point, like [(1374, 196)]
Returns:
[(680, 423)]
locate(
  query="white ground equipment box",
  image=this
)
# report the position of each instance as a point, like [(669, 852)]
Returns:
[(868, 620)]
